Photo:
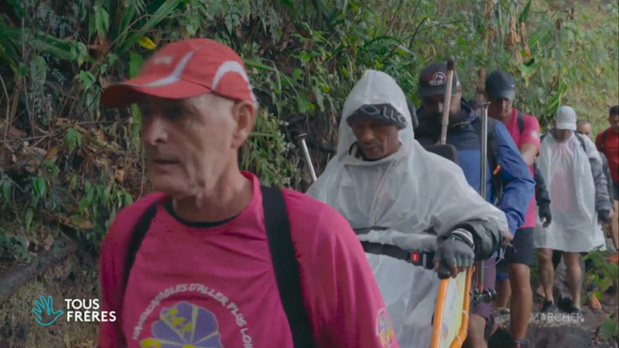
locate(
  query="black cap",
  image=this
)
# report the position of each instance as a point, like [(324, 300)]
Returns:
[(433, 80), (500, 84), (380, 112)]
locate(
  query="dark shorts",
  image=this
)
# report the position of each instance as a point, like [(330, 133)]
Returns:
[(520, 251), (481, 308), (616, 190)]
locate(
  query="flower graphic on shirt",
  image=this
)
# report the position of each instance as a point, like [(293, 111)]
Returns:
[(184, 326), (384, 329)]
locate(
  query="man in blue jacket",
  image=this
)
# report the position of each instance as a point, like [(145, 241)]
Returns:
[(463, 133)]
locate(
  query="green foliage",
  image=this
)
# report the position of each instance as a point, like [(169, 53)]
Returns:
[(79, 164), (610, 328), (604, 274)]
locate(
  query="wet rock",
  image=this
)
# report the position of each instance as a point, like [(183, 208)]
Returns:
[(555, 330)]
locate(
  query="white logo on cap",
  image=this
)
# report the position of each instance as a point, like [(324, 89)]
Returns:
[(167, 60), (438, 79)]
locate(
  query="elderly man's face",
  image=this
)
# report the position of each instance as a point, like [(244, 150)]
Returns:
[(584, 128), (189, 143), (376, 139)]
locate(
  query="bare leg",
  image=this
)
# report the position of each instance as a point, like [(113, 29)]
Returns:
[(574, 276), (522, 300), (475, 334), (503, 292), (544, 257)]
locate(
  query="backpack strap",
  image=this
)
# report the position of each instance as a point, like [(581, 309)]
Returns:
[(603, 143), (582, 141), (283, 256), (520, 119), (286, 266), (136, 238), (493, 156)]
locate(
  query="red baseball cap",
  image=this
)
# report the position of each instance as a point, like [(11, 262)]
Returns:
[(185, 69)]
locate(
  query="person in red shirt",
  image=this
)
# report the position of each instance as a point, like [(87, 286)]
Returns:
[(607, 142), (513, 272), (204, 275)]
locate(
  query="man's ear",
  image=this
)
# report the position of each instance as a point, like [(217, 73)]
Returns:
[(244, 114)]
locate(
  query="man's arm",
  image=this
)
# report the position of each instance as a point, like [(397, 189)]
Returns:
[(343, 296), (541, 193), (602, 201), (445, 206), (598, 141), (608, 176), (529, 140), (111, 262), (110, 333), (519, 185)]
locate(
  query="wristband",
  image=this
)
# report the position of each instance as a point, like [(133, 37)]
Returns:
[(464, 236)]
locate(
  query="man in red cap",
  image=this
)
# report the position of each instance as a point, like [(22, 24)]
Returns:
[(213, 258)]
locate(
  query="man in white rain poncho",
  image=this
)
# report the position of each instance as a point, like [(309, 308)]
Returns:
[(572, 169), (393, 192)]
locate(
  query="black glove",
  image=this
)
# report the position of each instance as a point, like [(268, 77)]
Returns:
[(544, 214), (603, 216), (456, 252)]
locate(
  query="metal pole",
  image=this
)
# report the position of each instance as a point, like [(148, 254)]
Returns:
[(484, 178), (308, 159), (447, 100)]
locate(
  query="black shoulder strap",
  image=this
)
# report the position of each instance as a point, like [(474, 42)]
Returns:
[(582, 141), (286, 266), (282, 254), (520, 119), (603, 143), (136, 238)]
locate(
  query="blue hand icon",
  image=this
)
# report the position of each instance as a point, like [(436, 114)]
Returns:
[(46, 305)]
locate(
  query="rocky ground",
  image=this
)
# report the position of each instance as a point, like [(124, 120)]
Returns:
[(561, 329)]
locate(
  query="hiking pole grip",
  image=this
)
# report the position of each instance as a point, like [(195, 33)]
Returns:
[(301, 137), (443, 271), (447, 100)]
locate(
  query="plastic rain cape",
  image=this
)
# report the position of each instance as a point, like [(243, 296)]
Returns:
[(566, 169), (408, 192)]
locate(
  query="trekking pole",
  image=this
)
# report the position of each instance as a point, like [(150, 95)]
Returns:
[(308, 159), (443, 271), (447, 101), (484, 178), (485, 295)]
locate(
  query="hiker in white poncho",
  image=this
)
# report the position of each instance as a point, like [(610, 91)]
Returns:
[(401, 198), (572, 169)]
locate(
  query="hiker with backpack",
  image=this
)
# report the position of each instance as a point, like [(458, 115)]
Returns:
[(607, 142), (572, 169), (513, 271), (214, 258), (583, 127), (401, 199), (511, 185)]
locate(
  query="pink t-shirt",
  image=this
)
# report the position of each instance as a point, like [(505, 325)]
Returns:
[(529, 135), (215, 286)]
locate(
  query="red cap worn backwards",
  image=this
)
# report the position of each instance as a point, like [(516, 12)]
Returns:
[(185, 69)]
